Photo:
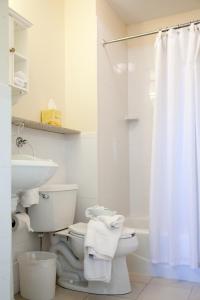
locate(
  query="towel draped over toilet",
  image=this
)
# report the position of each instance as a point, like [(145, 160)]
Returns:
[(101, 242)]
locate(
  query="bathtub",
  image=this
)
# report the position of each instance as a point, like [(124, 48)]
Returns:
[(139, 262)]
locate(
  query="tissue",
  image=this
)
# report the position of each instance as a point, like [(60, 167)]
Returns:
[(21, 221), (51, 116), (29, 197)]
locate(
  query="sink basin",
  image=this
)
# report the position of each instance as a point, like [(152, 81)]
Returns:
[(30, 172)]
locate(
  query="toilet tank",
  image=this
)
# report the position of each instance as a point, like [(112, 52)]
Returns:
[(56, 208)]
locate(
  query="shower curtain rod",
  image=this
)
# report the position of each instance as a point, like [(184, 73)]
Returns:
[(104, 43)]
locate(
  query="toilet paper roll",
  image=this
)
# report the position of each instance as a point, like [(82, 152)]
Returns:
[(21, 221)]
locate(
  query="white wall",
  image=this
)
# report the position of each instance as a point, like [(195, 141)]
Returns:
[(76, 157), (5, 181), (113, 165), (82, 169), (140, 85)]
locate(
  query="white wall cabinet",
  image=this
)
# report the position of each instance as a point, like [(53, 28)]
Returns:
[(18, 53)]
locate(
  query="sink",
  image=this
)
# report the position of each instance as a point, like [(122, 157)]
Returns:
[(30, 172)]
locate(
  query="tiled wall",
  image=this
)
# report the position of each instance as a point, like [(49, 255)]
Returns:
[(76, 157), (82, 169)]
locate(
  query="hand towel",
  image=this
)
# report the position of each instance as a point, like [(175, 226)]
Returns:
[(97, 269), (112, 222), (29, 197), (101, 242), (96, 210)]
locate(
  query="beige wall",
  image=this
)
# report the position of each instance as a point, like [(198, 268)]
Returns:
[(62, 51), (81, 64), (46, 53), (160, 23)]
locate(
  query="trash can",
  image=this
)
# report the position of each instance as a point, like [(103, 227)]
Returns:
[(37, 273)]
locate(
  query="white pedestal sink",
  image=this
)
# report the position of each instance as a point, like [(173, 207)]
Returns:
[(29, 172)]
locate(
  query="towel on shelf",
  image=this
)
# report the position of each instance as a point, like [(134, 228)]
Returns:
[(20, 82), (29, 197), (96, 210), (101, 243), (20, 79), (21, 75)]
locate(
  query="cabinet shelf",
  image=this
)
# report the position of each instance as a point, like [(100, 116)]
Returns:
[(39, 126), (17, 90), (19, 57)]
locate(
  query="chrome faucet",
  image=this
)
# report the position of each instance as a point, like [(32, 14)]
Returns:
[(20, 142)]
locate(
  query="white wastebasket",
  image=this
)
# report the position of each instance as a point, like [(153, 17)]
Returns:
[(37, 272)]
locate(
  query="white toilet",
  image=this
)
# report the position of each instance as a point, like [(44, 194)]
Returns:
[(55, 214)]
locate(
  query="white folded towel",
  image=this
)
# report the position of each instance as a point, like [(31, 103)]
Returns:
[(29, 197), (97, 269), (20, 82), (96, 210), (101, 242), (21, 75), (112, 222)]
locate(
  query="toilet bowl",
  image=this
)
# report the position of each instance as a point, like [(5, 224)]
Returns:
[(54, 214), (72, 240)]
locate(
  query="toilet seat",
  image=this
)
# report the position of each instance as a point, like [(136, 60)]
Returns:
[(80, 230)]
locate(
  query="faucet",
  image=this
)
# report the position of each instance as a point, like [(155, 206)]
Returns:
[(20, 142)]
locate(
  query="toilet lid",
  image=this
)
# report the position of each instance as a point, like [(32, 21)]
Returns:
[(81, 229)]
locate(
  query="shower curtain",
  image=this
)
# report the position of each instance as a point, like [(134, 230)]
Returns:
[(175, 172)]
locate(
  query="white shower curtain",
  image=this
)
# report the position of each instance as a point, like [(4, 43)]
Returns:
[(175, 175)]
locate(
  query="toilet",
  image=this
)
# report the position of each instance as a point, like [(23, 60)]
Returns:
[(55, 214)]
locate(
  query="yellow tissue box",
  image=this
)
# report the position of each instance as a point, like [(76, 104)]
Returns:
[(51, 117)]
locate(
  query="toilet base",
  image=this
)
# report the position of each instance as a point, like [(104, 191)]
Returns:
[(81, 286), (119, 284)]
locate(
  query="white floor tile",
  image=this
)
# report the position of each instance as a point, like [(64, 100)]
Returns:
[(195, 294), (164, 292), (103, 297), (137, 288), (63, 294), (171, 282)]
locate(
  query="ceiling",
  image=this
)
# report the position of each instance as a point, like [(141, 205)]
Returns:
[(132, 11)]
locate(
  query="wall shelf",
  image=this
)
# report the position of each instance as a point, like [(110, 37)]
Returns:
[(39, 126), (131, 118)]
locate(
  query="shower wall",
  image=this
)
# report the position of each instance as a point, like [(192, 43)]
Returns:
[(126, 87), (113, 162)]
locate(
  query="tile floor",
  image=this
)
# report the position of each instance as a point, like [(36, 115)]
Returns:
[(155, 289)]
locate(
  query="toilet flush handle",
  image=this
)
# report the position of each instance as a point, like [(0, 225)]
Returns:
[(44, 195)]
